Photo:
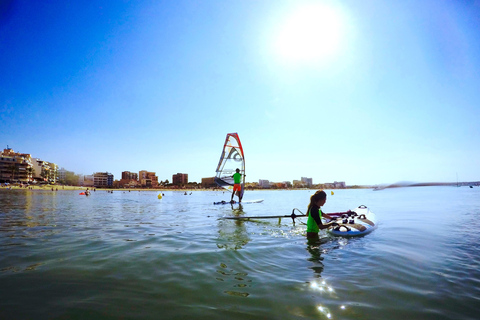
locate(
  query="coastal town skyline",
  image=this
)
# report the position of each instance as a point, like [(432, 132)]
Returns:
[(22, 168), (334, 90), (25, 168)]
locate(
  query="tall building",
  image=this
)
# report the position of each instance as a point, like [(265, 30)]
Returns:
[(307, 181), (263, 183), (127, 175), (147, 179), (340, 184), (44, 170), (208, 182), (15, 166), (21, 167), (62, 174), (180, 179), (129, 179), (102, 179)]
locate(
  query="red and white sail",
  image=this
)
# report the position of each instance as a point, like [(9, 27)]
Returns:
[(232, 158)]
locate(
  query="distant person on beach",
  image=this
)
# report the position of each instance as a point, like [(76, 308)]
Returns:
[(237, 187), (314, 213)]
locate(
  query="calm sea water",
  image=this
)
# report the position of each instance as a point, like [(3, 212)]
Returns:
[(129, 255)]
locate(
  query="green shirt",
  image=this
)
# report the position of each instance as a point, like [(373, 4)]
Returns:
[(312, 225), (237, 177)]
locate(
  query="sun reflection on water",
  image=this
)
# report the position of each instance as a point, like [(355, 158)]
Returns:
[(321, 286), (325, 311)]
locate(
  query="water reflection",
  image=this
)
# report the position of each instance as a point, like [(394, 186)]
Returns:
[(238, 210), (239, 280), (25, 210), (327, 303), (318, 247), (232, 234), (325, 311), (314, 247)]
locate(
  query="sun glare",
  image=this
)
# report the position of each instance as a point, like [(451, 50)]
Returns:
[(310, 34)]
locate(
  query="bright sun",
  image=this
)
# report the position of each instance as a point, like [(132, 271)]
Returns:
[(310, 34)]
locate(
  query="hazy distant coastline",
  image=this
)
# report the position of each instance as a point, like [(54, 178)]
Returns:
[(162, 189)]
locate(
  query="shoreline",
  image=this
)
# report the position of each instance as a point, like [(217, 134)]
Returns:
[(78, 188)]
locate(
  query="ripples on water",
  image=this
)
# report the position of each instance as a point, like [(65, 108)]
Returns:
[(130, 255)]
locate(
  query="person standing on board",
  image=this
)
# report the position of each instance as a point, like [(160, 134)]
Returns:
[(237, 187), (314, 213)]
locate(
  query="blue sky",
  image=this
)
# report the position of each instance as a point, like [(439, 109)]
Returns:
[(366, 92)]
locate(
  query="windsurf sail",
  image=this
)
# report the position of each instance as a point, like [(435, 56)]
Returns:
[(232, 158)]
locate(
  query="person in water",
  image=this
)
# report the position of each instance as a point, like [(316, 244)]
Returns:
[(314, 222), (237, 187)]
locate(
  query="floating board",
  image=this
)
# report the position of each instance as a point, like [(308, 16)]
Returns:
[(358, 222), (236, 202)]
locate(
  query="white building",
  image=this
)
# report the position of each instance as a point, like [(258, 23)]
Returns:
[(85, 180), (263, 183), (44, 171), (339, 185), (62, 174), (307, 181)]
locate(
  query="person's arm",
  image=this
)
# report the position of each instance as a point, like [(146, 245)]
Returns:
[(316, 216), (327, 216), (335, 215)]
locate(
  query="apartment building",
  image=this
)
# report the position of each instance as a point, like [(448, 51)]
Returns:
[(44, 170), (15, 167), (129, 179), (180, 179), (262, 183), (208, 182), (147, 179), (102, 179), (127, 175), (307, 181)]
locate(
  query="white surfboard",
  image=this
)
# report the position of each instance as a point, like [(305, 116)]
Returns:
[(236, 202), (359, 222)]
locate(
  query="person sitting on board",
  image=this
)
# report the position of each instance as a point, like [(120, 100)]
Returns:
[(314, 213), (237, 187)]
